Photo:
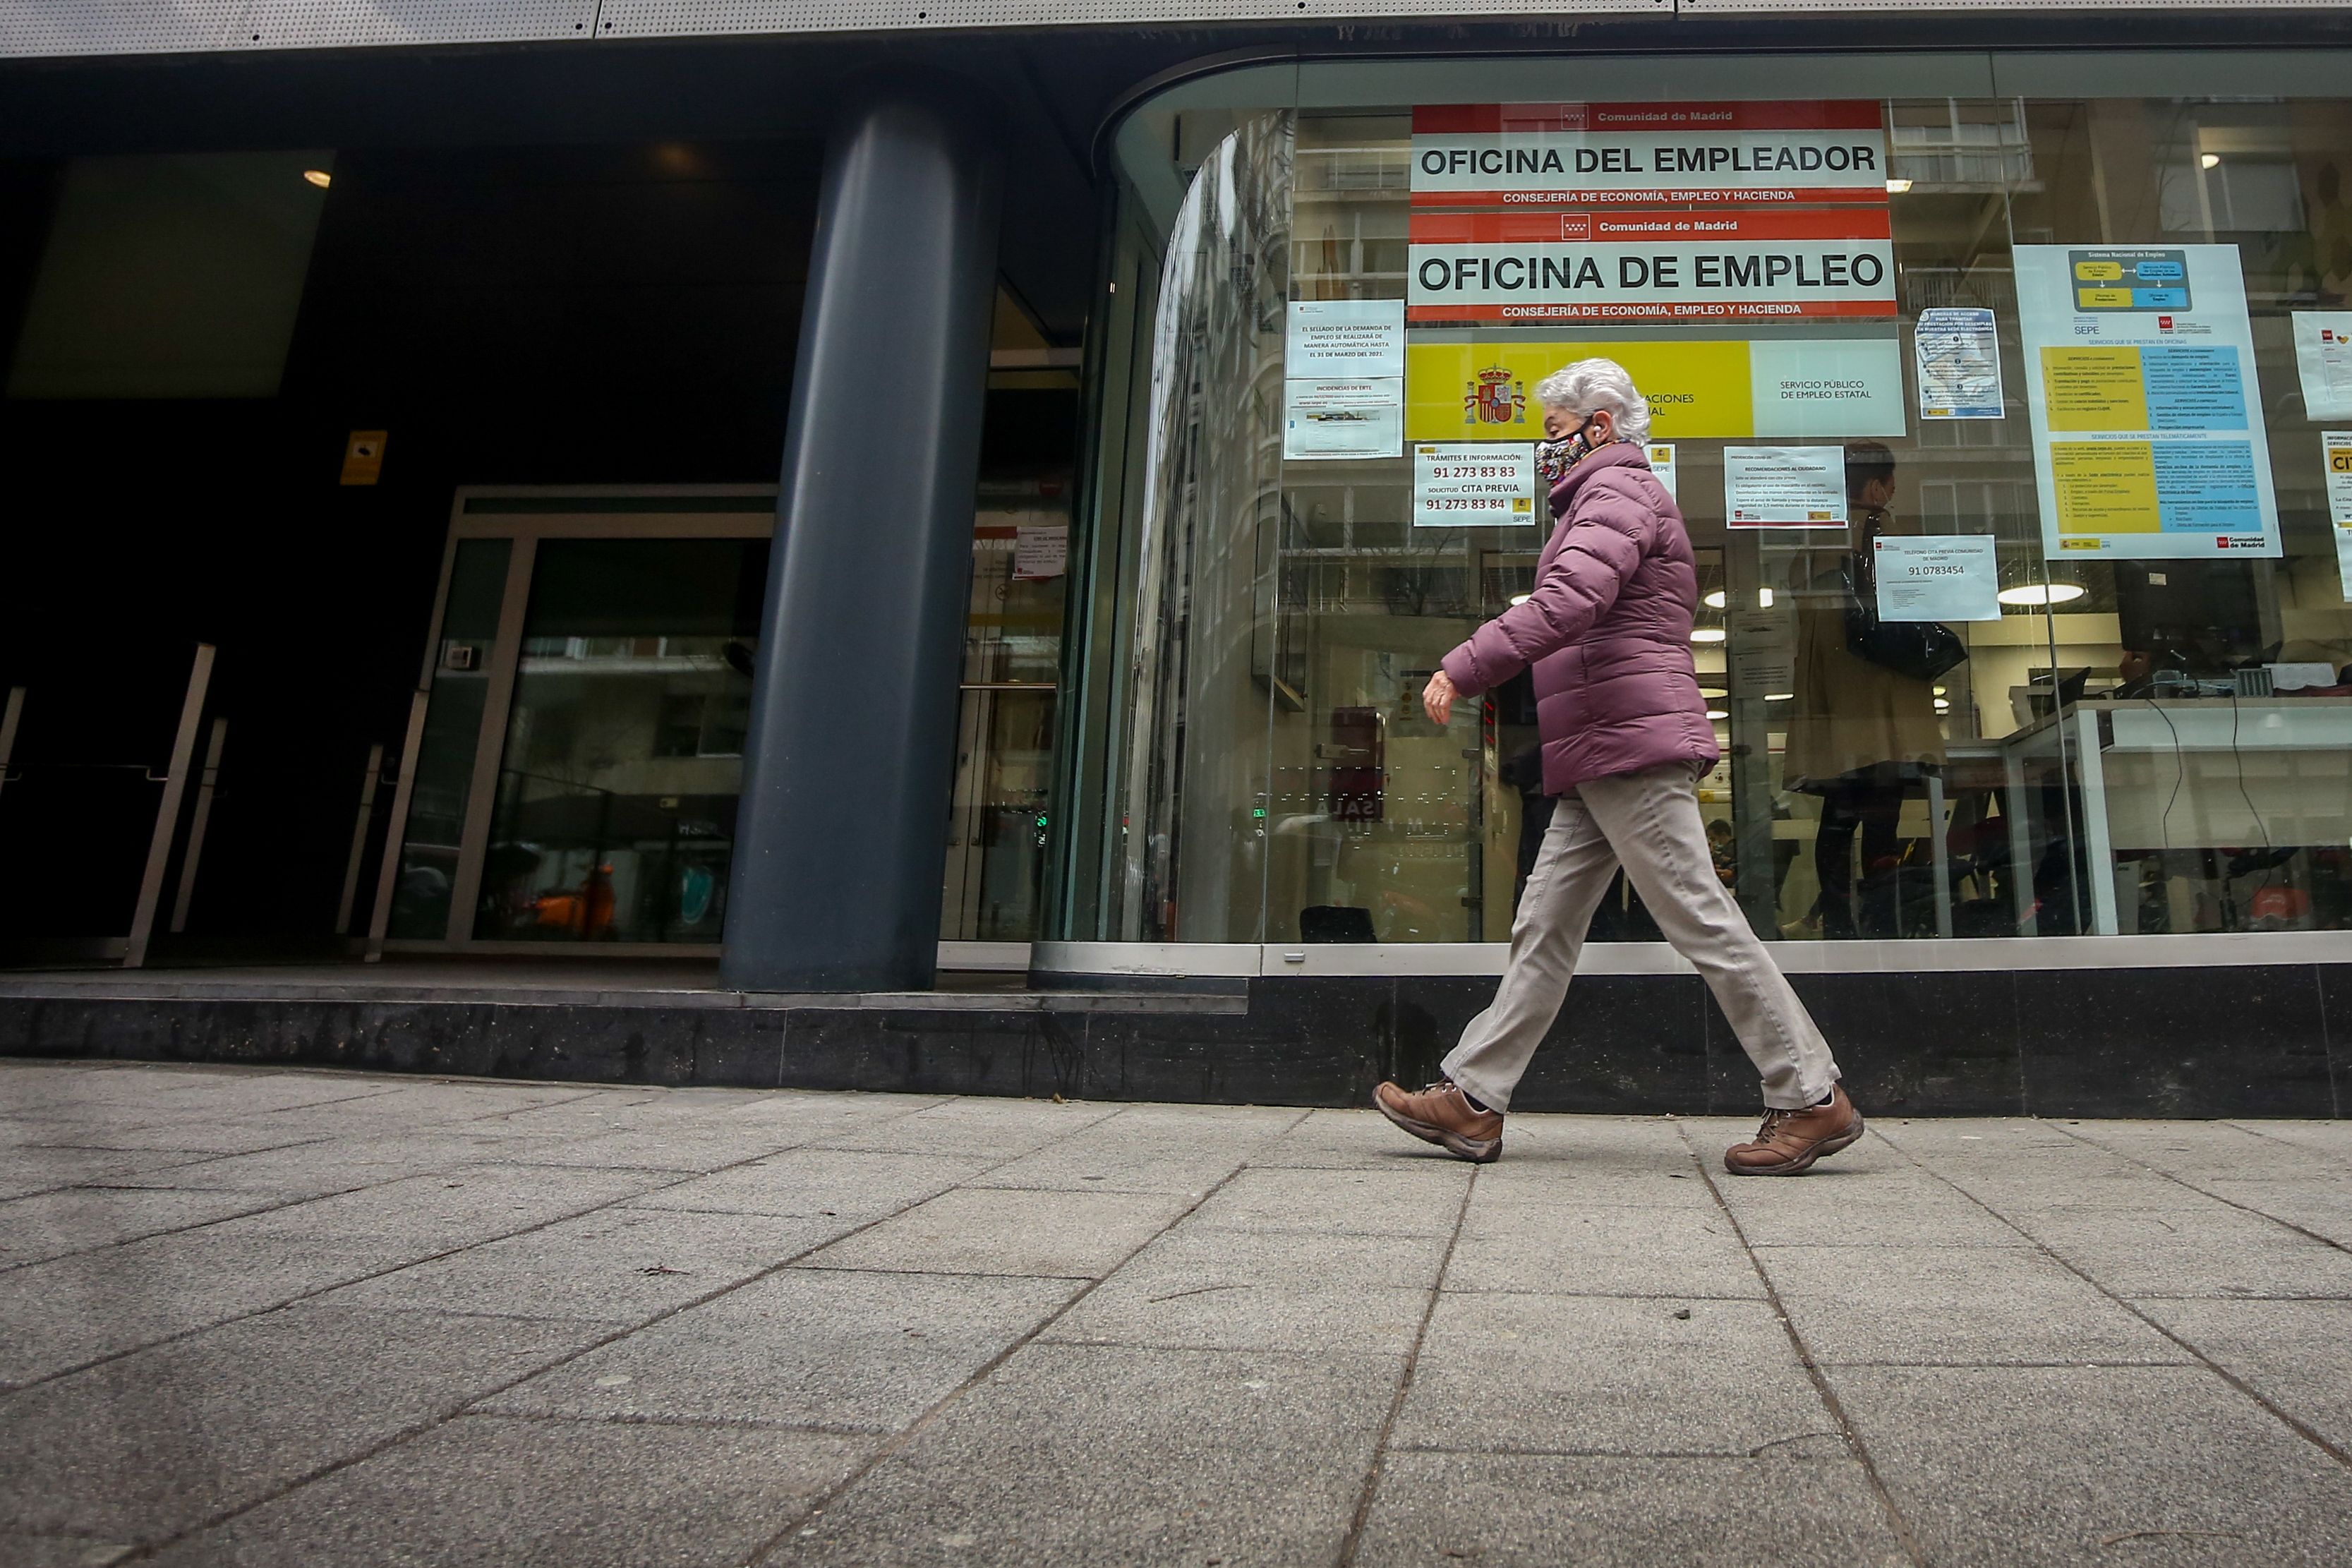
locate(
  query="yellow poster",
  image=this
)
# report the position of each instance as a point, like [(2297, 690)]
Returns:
[(1486, 392), (2105, 487)]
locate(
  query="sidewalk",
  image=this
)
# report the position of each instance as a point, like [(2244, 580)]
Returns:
[(325, 1319)]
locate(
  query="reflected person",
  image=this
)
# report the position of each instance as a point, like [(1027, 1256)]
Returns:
[(1862, 736), (1625, 740)]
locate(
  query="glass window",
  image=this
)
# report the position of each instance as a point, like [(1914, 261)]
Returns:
[(2024, 608), (616, 814)]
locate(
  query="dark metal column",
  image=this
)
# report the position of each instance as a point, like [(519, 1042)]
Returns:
[(842, 836)]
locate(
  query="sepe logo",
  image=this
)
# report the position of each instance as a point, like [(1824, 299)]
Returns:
[(1495, 397)]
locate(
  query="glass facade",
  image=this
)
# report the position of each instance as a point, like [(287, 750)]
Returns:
[(1996, 394)]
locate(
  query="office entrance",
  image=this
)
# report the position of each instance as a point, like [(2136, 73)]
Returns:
[(579, 725)]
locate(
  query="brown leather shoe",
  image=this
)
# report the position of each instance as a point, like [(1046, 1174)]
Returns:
[(1790, 1140), (1440, 1114)]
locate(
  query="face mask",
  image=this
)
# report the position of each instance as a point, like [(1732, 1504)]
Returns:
[(1555, 457)]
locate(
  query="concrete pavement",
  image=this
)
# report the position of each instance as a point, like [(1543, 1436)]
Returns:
[(317, 1318)]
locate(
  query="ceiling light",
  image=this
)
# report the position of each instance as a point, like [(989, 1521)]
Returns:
[(1897, 187), (1707, 634), (1519, 599), (1717, 713), (318, 177), (1779, 696), (2210, 161), (1943, 704), (2041, 593), (1715, 601), (1942, 691)]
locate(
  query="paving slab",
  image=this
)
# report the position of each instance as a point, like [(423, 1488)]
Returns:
[(1424, 1200), (149, 1445), (999, 1130), (617, 1265), (1806, 1502), (1595, 1374), (1959, 1306), (977, 1230), (819, 1182), (456, 1208), (1087, 1455), (847, 1351), (1200, 1289), (2195, 1247), (2019, 1467), (1898, 1207), (22, 1549), (1118, 1156), (1573, 1250), (71, 1311), (2320, 1205), (78, 1219), (2297, 1354), (1329, 1140), (505, 1493)]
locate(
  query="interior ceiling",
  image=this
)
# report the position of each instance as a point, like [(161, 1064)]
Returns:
[(1056, 85)]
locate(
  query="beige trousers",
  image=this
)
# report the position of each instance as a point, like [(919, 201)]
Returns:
[(1647, 822)]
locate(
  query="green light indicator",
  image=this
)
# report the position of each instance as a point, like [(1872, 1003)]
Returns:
[(1259, 812)]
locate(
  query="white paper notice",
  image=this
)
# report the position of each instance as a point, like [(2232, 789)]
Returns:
[(1361, 340), (1473, 484), (1662, 462), (1784, 487), (1039, 553), (1948, 577), (2323, 354), (1959, 355), (1342, 419), (2337, 445), (1762, 659)]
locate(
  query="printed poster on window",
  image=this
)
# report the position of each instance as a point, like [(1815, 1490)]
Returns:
[(2322, 359), (1661, 455), (1944, 577), (1342, 419), (2337, 445), (1353, 339), (2149, 441), (1959, 357), (1464, 484), (1784, 487)]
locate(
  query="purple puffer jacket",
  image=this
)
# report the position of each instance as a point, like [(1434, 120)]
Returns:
[(1607, 628)]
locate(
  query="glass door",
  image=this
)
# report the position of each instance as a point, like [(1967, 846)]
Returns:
[(580, 736)]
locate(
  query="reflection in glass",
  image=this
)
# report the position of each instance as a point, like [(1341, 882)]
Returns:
[(623, 759), (443, 772)]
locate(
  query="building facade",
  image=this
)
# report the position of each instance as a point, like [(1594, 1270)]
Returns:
[(846, 494)]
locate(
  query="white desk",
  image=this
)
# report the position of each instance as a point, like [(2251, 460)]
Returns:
[(2186, 773)]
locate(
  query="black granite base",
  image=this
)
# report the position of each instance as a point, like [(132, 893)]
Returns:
[(2272, 1040)]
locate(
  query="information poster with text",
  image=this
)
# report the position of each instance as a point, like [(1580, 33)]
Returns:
[(2149, 442), (1937, 577), (1463, 484), (2323, 360), (2337, 445), (1784, 487), (1958, 356)]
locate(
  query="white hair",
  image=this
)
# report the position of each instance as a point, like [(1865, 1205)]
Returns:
[(1594, 385)]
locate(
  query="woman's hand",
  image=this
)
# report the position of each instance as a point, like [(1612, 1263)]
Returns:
[(1437, 697)]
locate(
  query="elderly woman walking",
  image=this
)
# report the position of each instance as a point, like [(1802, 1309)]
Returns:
[(1625, 740)]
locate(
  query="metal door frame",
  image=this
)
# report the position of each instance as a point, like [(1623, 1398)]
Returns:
[(599, 519)]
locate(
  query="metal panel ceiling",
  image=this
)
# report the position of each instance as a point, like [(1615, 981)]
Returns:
[(59, 27)]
